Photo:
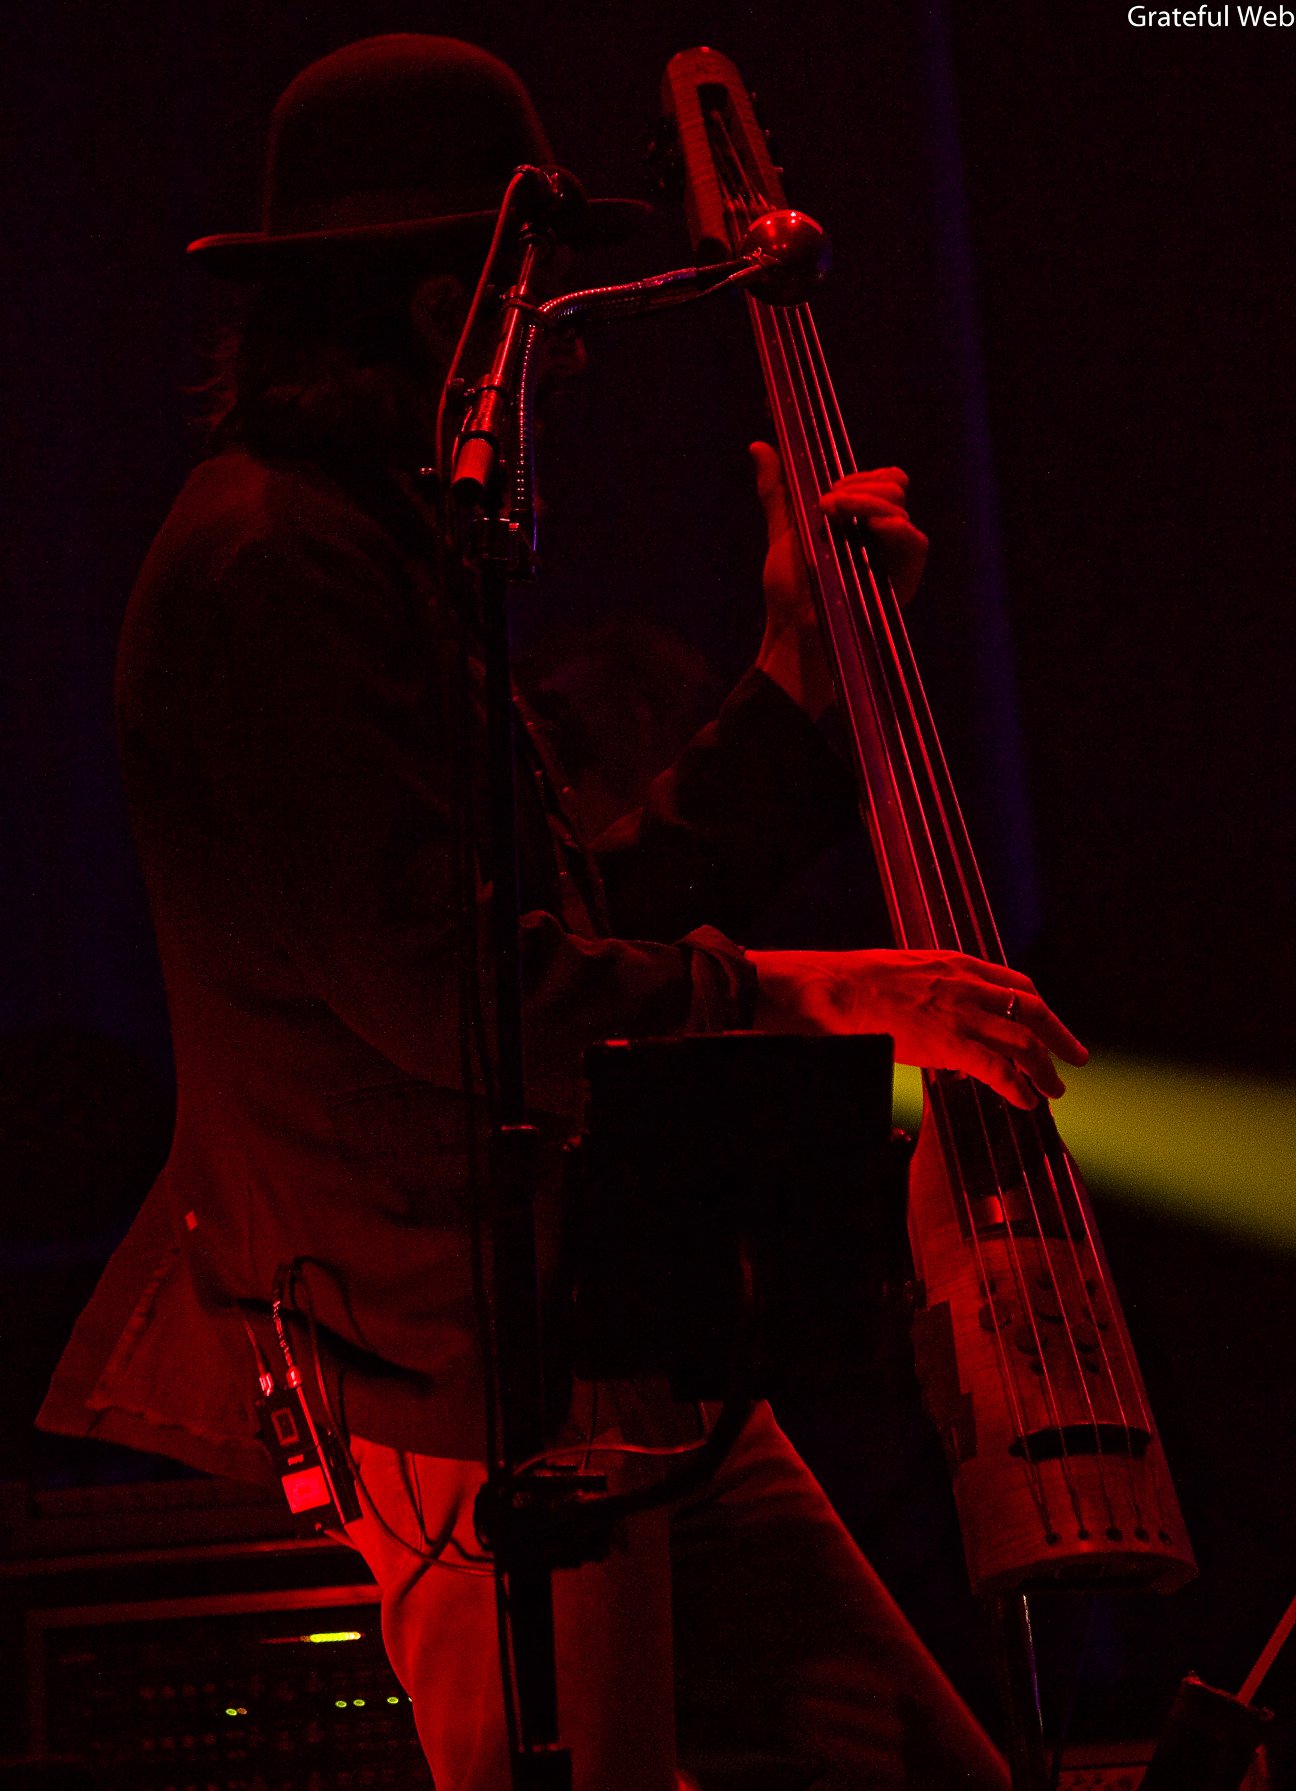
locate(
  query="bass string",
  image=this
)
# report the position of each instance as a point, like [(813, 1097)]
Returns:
[(1080, 1202), (770, 336), (940, 1117), (974, 896), (1078, 1197), (998, 1122), (1122, 1337), (950, 1131), (870, 642), (1011, 1393), (742, 202), (743, 199), (882, 799), (953, 826), (988, 940), (919, 845), (989, 1108), (1131, 1367), (985, 935), (915, 846)]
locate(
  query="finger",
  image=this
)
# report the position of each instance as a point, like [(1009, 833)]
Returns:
[(863, 501), (1003, 1076), (885, 479), (905, 546), (771, 489), (1004, 974), (896, 533), (1027, 1016), (1034, 1012), (1027, 1053), (1019, 1043), (853, 494), (1033, 1061), (1052, 1088)]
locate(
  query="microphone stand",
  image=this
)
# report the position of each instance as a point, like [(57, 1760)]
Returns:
[(536, 1522), (495, 541)]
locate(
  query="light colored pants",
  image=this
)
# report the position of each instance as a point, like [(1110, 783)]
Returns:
[(741, 1627)]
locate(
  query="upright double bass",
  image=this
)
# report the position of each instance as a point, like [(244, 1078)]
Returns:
[(1022, 1350)]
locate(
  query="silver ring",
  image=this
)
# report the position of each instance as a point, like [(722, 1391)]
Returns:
[(1010, 1012)]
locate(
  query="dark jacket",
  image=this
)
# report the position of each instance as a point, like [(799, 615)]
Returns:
[(293, 732)]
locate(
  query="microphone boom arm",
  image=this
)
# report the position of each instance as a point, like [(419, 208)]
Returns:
[(782, 258)]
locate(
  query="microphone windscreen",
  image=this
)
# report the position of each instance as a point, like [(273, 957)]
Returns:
[(553, 197)]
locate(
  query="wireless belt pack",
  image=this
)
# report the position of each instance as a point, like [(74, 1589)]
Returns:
[(313, 1471)]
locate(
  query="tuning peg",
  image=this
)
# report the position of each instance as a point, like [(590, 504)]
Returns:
[(664, 162), (768, 135)]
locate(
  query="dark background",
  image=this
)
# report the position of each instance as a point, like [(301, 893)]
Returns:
[(1061, 300)]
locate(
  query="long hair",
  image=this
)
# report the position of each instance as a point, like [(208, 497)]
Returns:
[(337, 363)]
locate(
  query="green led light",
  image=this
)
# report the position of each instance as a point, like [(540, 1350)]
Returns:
[(358, 1703), (230, 1710), (393, 1700), (339, 1703), (1215, 1149), (332, 1635)]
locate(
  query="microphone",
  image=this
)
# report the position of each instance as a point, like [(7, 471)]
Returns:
[(791, 254), (551, 198)]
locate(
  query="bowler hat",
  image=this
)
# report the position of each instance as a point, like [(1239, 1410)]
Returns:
[(401, 143)]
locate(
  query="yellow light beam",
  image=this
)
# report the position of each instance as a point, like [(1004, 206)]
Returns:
[(1214, 1148)]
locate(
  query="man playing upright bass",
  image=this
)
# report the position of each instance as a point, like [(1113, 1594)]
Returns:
[(301, 732)]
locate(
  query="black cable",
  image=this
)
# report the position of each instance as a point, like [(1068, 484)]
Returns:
[(431, 1551)]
